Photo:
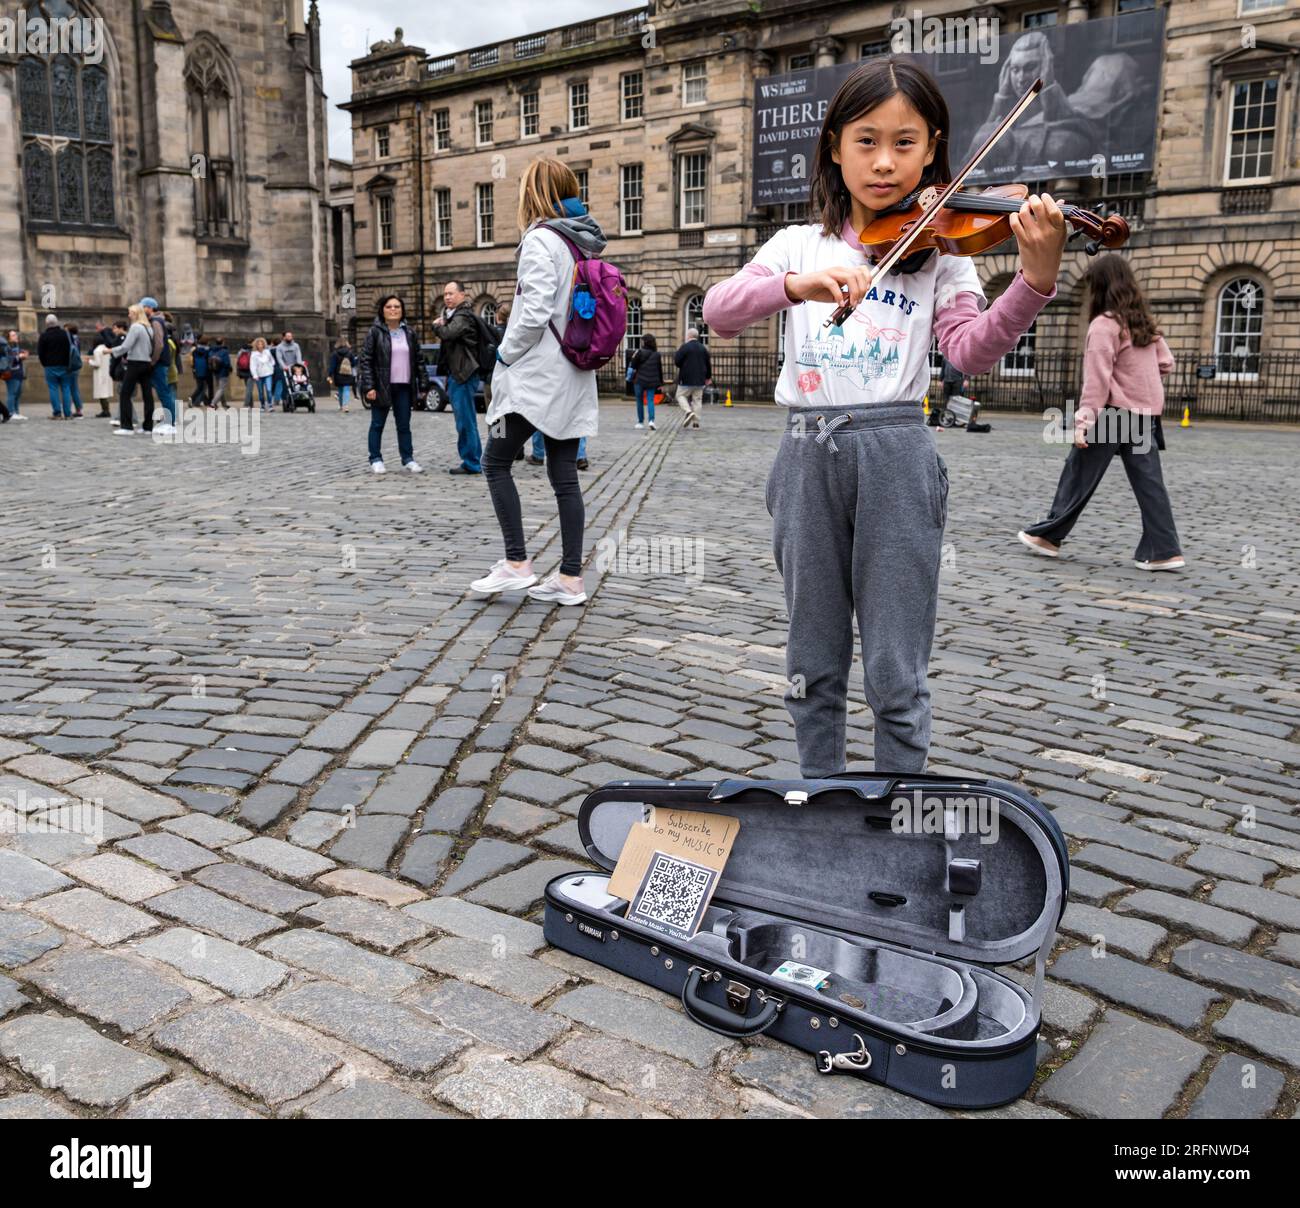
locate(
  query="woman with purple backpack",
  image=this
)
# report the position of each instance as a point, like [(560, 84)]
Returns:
[(540, 383)]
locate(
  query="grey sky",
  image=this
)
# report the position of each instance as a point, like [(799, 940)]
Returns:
[(349, 26)]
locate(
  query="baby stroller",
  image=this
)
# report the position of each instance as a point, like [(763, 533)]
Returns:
[(298, 389)]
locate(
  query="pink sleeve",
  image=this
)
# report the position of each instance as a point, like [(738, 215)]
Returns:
[(1164, 358), (975, 340), (753, 293), (1099, 354)]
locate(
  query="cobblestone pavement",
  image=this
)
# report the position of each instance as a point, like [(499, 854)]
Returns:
[(335, 782)]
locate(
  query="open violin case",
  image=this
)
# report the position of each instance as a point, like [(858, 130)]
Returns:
[(910, 922)]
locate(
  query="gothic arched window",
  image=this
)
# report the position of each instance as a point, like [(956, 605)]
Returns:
[(209, 97), (67, 141)]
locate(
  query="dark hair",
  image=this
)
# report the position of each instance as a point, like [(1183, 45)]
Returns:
[(871, 84), (71, 328), (1113, 286), (219, 341), (648, 341), (384, 301), (200, 338)]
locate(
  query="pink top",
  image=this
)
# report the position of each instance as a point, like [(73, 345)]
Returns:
[(1116, 372), (972, 339), (399, 367)]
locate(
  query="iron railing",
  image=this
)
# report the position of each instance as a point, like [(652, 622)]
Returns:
[(1260, 388)]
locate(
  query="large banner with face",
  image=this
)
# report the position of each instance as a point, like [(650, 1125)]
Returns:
[(1096, 113)]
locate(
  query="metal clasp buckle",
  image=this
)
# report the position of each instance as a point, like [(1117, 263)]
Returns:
[(857, 1059), (737, 997), (796, 797)]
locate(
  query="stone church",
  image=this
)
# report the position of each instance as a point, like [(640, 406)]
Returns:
[(184, 157)]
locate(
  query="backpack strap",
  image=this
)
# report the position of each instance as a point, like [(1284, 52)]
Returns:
[(578, 258)]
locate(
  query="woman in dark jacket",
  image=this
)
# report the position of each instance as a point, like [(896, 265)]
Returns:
[(648, 376), (389, 371), (342, 374)]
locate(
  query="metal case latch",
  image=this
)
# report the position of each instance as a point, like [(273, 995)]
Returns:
[(796, 797), (737, 997)]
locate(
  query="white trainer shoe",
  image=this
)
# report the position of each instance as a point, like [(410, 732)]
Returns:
[(1174, 563), (639, 425), (652, 426), (554, 592), (1029, 543), (123, 431), (377, 467), (504, 577), (413, 467)]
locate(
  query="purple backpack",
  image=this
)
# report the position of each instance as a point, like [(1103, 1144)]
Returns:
[(597, 310)]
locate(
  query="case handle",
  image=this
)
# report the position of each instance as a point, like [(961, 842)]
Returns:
[(868, 790), (719, 1019)]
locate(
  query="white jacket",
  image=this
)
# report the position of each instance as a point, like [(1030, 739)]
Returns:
[(101, 359), (537, 380), (262, 363)]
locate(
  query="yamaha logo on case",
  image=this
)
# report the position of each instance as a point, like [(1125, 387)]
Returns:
[(595, 932)]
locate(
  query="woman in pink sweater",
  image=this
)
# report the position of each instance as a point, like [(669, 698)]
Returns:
[(1124, 364)]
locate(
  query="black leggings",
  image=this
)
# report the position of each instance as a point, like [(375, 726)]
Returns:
[(136, 372), (506, 437)]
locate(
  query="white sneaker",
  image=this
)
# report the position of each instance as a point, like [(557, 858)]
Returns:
[(18, 417), (504, 577), (1038, 549), (652, 426), (377, 467), (554, 592), (166, 430), (413, 467), (124, 432), (639, 425), (1174, 563)]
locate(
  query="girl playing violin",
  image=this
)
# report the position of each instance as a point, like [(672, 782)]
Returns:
[(858, 493)]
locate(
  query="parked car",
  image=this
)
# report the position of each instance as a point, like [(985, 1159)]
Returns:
[(437, 398)]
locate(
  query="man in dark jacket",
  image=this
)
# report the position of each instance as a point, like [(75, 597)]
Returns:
[(694, 372), (458, 332), (54, 351)]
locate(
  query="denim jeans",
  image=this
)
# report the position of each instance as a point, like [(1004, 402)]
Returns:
[(166, 393), (539, 450), (399, 394), (345, 395), (468, 444), (13, 392), (74, 389), (645, 397), (264, 392), (56, 378), (277, 387)]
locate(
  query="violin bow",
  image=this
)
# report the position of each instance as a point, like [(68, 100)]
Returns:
[(939, 200)]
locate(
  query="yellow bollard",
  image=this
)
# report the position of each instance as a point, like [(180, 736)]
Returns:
[(1187, 418), (728, 402)]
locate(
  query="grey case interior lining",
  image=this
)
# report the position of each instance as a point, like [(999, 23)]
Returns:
[(820, 862), (930, 997)]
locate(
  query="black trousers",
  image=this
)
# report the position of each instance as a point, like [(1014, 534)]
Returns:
[(141, 372), (506, 437), (1136, 438)]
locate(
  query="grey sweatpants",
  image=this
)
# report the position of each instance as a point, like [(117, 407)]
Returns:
[(859, 497)]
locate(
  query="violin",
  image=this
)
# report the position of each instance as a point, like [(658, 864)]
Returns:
[(969, 223), (957, 223)]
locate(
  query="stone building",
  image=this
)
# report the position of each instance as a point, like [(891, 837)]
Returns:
[(653, 107), (187, 161)]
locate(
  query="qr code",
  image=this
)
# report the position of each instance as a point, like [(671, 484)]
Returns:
[(673, 891)]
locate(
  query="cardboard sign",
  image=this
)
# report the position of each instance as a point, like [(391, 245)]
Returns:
[(689, 835)]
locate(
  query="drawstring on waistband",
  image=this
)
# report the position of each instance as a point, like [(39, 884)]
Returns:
[(824, 436)]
